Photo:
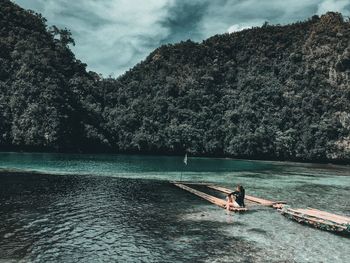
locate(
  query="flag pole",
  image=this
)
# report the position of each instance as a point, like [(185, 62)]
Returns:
[(185, 162)]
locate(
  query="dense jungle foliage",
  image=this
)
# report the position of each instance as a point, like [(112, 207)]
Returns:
[(274, 92)]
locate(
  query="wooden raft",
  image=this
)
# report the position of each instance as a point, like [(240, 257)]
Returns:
[(212, 199), (319, 219), (264, 202), (310, 216)]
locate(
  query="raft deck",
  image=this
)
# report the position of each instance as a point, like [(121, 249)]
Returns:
[(319, 219), (264, 202), (310, 216), (214, 200)]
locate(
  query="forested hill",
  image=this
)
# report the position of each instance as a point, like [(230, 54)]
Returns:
[(274, 92), (45, 93)]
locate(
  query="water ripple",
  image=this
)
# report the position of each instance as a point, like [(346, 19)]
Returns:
[(47, 218)]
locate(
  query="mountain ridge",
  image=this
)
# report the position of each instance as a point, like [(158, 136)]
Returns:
[(273, 92)]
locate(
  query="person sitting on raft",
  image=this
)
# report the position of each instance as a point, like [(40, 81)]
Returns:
[(236, 198)]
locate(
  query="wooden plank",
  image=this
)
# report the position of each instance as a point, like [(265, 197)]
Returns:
[(310, 213), (299, 217), (325, 215), (346, 218), (214, 200), (189, 183), (260, 201)]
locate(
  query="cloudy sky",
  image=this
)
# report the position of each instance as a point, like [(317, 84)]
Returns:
[(113, 35)]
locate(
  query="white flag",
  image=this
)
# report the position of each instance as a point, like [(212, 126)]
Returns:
[(185, 159)]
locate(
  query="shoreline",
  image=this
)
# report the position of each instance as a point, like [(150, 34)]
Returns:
[(327, 163)]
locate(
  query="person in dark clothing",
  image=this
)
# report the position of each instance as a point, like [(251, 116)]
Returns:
[(236, 198)]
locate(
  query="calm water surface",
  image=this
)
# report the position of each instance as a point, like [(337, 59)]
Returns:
[(116, 208)]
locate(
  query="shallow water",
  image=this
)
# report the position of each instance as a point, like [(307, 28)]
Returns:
[(117, 208)]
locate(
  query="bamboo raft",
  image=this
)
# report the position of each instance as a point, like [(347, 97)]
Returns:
[(260, 201), (212, 199), (310, 216), (319, 219)]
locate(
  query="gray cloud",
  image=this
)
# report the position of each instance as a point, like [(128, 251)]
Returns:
[(113, 35), (184, 20)]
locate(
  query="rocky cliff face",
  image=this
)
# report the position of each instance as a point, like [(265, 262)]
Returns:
[(274, 92)]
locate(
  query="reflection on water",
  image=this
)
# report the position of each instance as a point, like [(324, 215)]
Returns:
[(104, 218)]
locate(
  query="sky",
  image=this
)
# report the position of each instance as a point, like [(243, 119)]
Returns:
[(112, 36)]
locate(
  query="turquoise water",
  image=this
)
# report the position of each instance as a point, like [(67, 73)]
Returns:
[(129, 165), (103, 208)]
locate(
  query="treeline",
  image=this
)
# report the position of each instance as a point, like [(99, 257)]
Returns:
[(274, 92)]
